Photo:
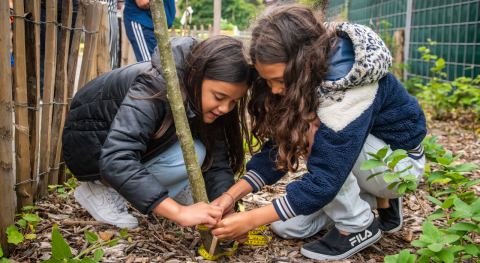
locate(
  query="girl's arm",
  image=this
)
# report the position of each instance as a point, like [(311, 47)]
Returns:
[(199, 213)]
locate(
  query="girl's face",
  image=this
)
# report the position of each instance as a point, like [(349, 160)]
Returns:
[(220, 97), (273, 74)]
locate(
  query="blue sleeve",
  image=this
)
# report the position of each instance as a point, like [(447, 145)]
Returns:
[(11, 59), (262, 169), (170, 11)]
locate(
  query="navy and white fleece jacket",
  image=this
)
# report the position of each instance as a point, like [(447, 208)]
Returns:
[(358, 98)]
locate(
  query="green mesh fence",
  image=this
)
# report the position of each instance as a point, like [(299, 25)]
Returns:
[(453, 24)]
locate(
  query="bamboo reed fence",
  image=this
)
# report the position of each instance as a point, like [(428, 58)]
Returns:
[(38, 125)]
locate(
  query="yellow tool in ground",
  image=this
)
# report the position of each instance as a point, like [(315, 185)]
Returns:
[(254, 239)]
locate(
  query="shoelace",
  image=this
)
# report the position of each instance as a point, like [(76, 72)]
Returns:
[(117, 200)]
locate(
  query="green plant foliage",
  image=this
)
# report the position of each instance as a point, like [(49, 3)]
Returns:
[(72, 183), (451, 242)]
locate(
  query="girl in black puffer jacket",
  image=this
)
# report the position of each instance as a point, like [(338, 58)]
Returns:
[(119, 137)]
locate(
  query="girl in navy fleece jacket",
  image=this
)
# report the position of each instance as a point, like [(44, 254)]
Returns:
[(324, 95)]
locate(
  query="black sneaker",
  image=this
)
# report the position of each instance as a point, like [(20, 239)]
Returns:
[(391, 219), (336, 246)]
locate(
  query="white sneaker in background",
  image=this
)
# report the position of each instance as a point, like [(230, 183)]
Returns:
[(105, 204), (185, 196)]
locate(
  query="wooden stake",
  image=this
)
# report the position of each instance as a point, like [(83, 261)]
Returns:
[(210, 30), (32, 55), (48, 89), (74, 51), (22, 140), (172, 31), (202, 32), (181, 31), (7, 203), (199, 193), (103, 43), (91, 24), (195, 31), (217, 17), (189, 32), (60, 93), (125, 43)]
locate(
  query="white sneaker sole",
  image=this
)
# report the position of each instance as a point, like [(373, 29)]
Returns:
[(83, 201), (400, 211), (317, 256)]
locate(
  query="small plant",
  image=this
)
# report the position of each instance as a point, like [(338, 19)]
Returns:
[(406, 184), (2, 259), (27, 227), (61, 250), (72, 183), (454, 241)]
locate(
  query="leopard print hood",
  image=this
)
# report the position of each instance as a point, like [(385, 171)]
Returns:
[(372, 61)]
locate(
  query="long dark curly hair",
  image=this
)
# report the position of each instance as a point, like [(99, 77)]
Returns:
[(294, 35)]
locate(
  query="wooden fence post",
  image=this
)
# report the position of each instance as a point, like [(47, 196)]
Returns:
[(103, 43), (7, 203), (125, 43), (48, 89), (195, 31), (172, 31), (189, 33), (60, 93), (22, 141), (202, 32), (32, 42), (217, 17), (181, 31), (91, 25), (210, 31)]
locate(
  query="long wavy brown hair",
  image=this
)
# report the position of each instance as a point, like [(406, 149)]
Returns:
[(219, 58), (294, 35)]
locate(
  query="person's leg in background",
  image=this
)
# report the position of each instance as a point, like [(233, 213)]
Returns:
[(142, 39)]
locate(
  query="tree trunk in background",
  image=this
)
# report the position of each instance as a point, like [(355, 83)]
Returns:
[(184, 134)]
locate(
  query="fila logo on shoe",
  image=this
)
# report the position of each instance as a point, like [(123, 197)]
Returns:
[(358, 238)]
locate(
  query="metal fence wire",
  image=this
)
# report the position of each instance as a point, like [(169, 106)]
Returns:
[(453, 24)]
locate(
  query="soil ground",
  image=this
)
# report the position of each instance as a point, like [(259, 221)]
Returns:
[(179, 243)]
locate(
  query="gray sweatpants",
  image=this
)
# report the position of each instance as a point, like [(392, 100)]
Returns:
[(350, 211)]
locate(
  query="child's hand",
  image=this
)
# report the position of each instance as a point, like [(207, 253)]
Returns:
[(199, 213), (226, 203), (234, 227)]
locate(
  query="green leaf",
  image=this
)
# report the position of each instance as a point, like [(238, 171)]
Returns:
[(373, 175), (123, 233), (437, 214), (403, 256), (87, 260), (371, 164), (15, 237), (91, 237), (412, 258), (60, 248), (61, 190), (461, 207), (448, 191), (98, 255), (22, 222), (443, 161), (456, 157), (430, 230), (52, 260), (73, 260), (448, 239), (426, 239), (383, 152), (435, 176), (29, 207), (390, 259), (394, 154), (426, 252), (392, 185), (374, 155), (31, 236), (401, 188), (435, 247), (31, 217), (452, 220), (419, 243), (11, 228), (475, 208), (390, 177), (1, 251), (465, 226), (434, 200), (465, 167), (470, 183), (397, 159), (471, 249), (5, 260), (423, 259), (446, 256), (412, 186)]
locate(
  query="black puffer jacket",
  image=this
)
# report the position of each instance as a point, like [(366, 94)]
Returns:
[(106, 133)]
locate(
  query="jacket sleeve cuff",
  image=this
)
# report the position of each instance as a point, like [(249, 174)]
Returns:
[(255, 180), (154, 204), (284, 209)]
